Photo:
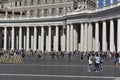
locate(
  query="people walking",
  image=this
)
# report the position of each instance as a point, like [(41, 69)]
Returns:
[(116, 59)]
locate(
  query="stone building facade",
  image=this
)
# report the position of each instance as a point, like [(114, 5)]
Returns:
[(61, 25)]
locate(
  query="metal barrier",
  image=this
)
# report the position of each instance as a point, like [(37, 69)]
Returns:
[(11, 59)]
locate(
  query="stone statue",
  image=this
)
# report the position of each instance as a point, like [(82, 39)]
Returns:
[(80, 4)]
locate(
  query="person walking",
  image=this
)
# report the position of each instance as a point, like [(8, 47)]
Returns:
[(97, 62), (116, 57), (119, 62), (90, 61)]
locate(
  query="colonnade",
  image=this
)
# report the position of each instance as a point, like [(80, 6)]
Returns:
[(32, 37), (100, 36), (87, 36), (94, 36)]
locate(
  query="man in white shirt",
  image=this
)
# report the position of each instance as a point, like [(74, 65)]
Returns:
[(97, 62)]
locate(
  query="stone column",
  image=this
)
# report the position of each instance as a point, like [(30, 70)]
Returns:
[(68, 38), (57, 11), (28, 33), (85, 37), (64, 10), (71, 37), (104, 40), (6, 14), (42, 38), (13, 14), (20, 14), (56, 38), (5, 38), (112, 36), (12, 38), (24, 38), (28, 14), (82, 37), (20, 38), (90, 39), (1, 37), (49, 37), (63, 40), (17, 38), (35, 13), (42, 13), (13, 3), (118, 35), (50, 12), (35, 38), (18, 3), (96, 36), (32, 38), (75, 39), (39, 39)]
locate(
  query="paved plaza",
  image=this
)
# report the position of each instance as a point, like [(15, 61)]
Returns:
[(46, 68)]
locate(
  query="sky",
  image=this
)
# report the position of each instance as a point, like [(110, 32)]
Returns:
[(107, 2)]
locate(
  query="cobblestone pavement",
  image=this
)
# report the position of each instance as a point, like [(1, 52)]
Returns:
[(46, 68)]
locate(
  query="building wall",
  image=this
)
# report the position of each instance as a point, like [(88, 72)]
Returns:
[(49, 7)]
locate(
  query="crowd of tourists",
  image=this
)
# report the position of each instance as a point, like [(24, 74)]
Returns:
[(94, 59)]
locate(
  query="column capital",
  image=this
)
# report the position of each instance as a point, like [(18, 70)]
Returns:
[(81, 22), (104, 20), (56, 25), (13, 26), (6, 14), (5, 27), (41, 25)]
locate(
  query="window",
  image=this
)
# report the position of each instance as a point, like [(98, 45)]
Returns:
[(60, 0), (15, 3), (11, 4), (20, 3), (45, 12), (25, 12), (60, 10), (32, 1), (2, 6), (53, 11), (31, 12), (38, 1), (38, 13), (46, 1), (53, 1), (25, 3)]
